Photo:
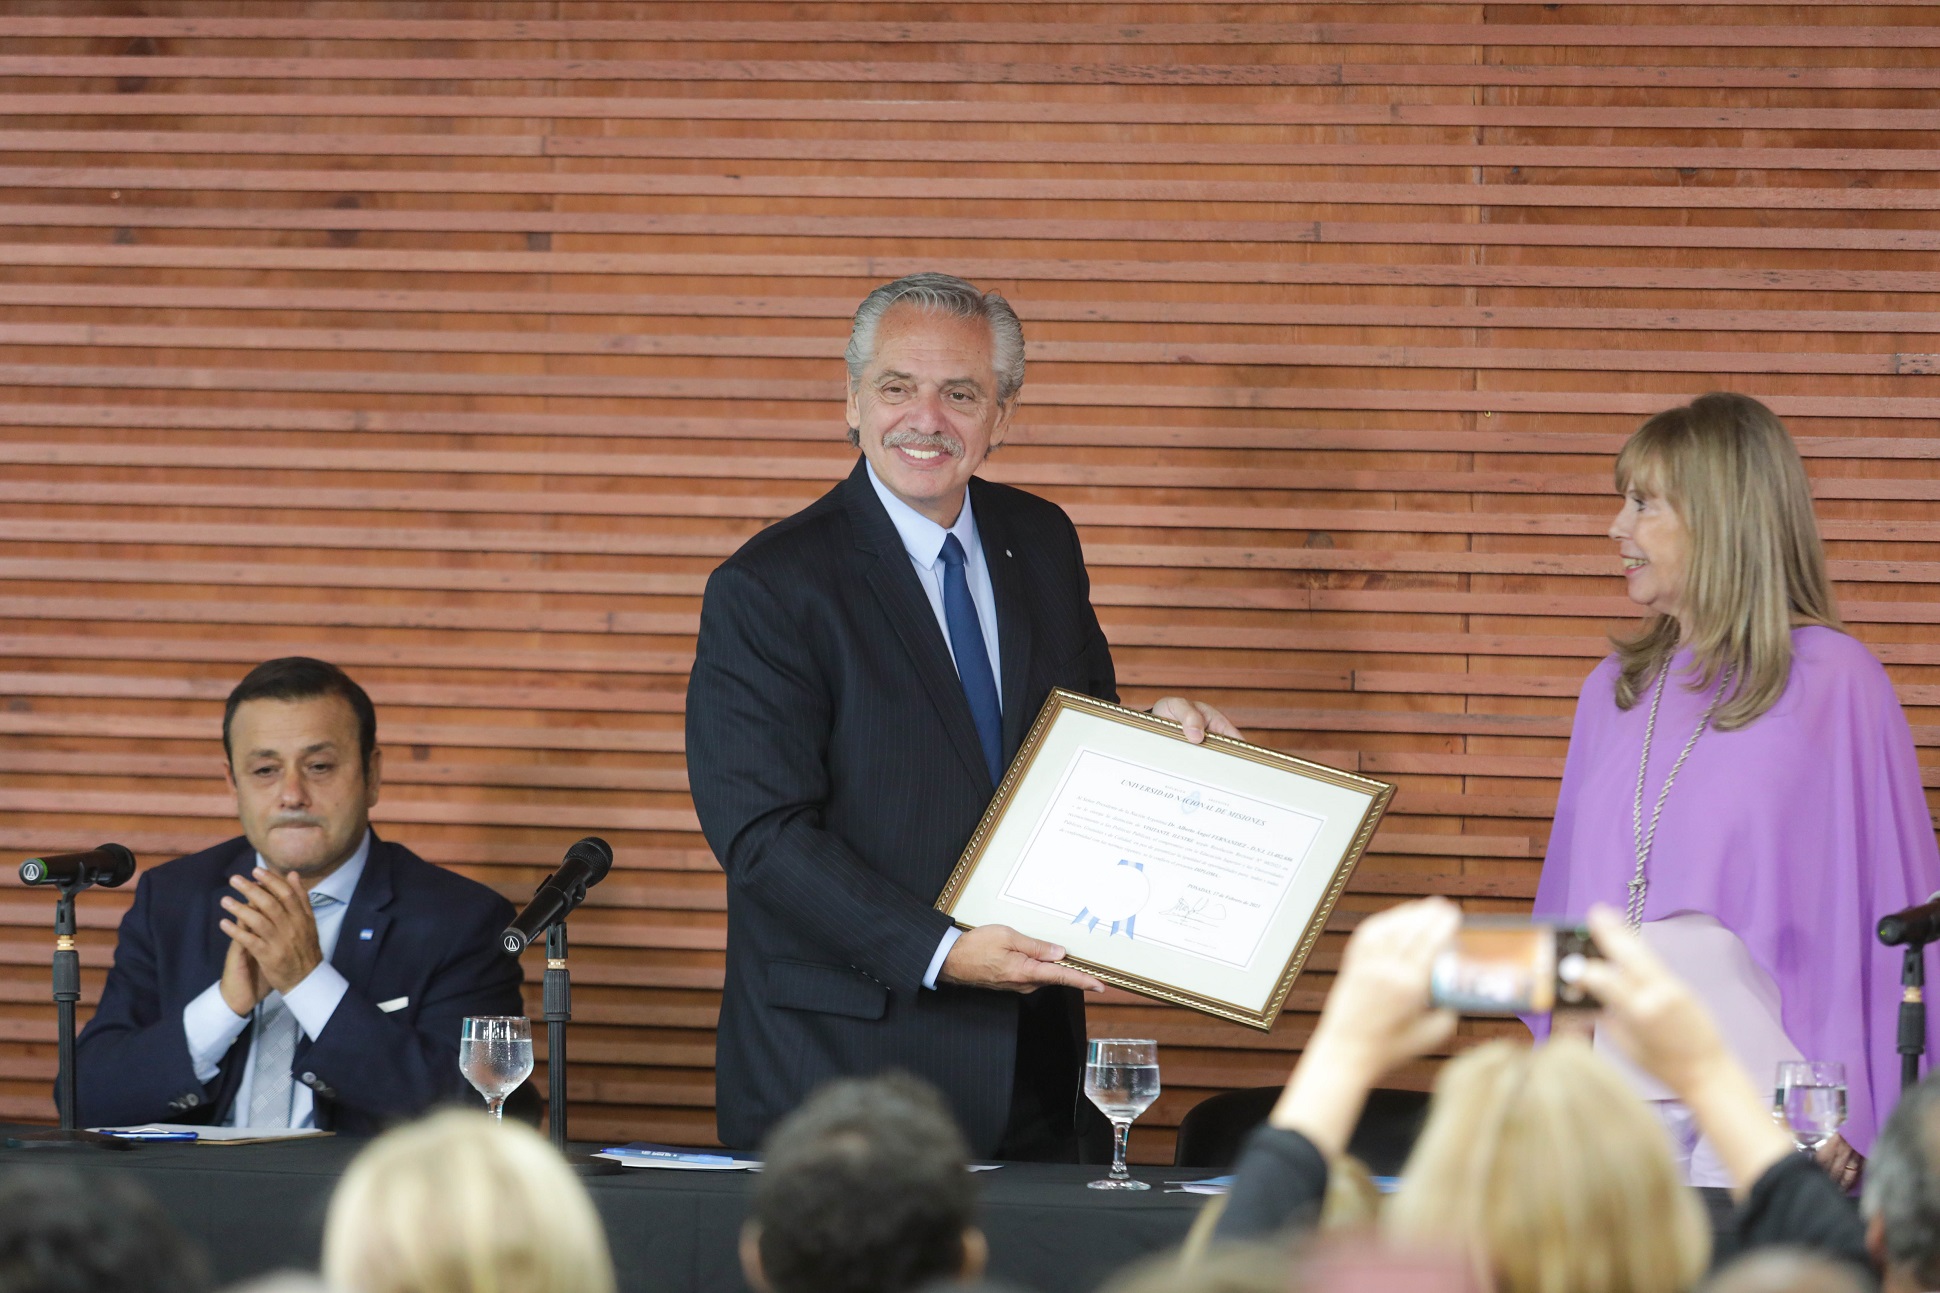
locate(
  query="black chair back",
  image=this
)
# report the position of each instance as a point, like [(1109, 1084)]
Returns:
[(1212, 1132)]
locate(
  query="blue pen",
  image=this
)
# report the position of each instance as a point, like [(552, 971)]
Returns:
[(671, 1156)]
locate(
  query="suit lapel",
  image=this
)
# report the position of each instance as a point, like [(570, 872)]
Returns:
[(1013, 614), (356, 953), (886, 567)]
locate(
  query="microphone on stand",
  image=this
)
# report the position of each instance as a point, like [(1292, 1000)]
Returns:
[(585, 865), (1912, 929), (1915, 925), (68, 874), (108, 866)]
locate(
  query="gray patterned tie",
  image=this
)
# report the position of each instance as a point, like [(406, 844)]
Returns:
[(269, 1065)]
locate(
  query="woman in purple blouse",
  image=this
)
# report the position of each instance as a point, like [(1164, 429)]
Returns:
[(1740, 777)]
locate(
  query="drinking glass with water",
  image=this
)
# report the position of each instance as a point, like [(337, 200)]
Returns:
[(1812, 1094), (1122, 1079), (495, 1055)]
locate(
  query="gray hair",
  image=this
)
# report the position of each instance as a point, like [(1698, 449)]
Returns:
[(943, 294), (1902, 1186)]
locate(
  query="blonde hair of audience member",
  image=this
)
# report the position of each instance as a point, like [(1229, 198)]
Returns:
[(1351, 1205), (1224, 1268), (458, 1203), (1756, 568), (1550, 1171), (1353, 1201)]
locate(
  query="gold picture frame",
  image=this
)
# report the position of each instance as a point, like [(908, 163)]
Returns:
[(1076, 734)]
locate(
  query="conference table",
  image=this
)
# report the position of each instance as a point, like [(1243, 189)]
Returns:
[(260, 1208)]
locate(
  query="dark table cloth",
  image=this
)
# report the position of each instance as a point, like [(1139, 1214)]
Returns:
[(259, 1208)]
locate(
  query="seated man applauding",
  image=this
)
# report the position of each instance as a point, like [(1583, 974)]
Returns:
[(306, 974)]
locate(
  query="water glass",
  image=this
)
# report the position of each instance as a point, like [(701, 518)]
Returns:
[(1122, 1079), (1813, 1095), (495, 1055)]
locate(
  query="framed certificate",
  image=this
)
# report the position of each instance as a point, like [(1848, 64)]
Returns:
[(1201, 875)]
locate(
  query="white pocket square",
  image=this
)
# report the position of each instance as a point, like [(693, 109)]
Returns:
[(395, 1003)]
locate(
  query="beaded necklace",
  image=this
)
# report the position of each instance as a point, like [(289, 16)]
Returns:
[(1640, 838)]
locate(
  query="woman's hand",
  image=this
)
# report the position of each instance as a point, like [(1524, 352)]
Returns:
[(1840, 1161), (1376, 1017), (1661, 1025)]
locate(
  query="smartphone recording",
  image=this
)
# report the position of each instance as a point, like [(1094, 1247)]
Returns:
[(1512, 967)]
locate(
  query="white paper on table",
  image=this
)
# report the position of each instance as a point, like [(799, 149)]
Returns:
[(205, 1135), (678, 1165)]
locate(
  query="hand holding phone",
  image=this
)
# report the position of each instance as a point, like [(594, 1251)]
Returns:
[(1512, 967)]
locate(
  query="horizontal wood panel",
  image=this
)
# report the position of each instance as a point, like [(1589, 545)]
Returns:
[(31, 181), (459, 346), (994, 31), (1867, 75)]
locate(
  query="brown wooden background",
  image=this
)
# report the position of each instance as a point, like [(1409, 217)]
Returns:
[(456, 342)]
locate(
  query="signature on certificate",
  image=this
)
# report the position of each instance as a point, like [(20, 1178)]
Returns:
[(1195, 913)]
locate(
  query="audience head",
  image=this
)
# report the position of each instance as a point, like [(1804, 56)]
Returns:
[(1901, 1200), (1545, 1166), (865, 1189), (1718, 509), (301, 741), (61, 1232), (1786, 1270), (458, 1203)]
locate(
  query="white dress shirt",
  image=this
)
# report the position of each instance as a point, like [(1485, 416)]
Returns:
[(212, 1027), (923, 540)]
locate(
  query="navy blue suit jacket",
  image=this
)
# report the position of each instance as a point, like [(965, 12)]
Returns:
[(433, 938), (837, 774)]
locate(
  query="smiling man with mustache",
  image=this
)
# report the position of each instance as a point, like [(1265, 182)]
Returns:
[(865, 671), (307, 973)]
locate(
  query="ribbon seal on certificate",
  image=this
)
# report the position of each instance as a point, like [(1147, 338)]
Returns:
[(1121, 893)]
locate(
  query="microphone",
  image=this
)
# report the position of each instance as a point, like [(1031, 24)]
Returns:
[(585, 865), (1919, 924), (107, 866)]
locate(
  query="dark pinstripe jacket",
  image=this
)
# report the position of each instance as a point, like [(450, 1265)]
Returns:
[(419, 939), (837, 775)]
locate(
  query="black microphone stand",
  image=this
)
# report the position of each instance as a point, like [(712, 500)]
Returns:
[(67, 992), (1913, 1013), (559, 1013), (558, 1002)]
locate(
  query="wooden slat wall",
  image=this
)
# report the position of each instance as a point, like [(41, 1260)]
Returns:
[(456, 342)]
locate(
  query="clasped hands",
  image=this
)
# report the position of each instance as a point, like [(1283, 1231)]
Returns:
[(272, 938)]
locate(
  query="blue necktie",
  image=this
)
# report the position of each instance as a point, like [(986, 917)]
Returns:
[(973, 661)]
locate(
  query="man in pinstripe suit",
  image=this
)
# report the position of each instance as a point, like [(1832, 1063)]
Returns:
[(865, 671)]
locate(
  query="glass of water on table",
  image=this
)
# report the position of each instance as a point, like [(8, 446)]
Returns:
[(1122, 1079), (1812, 1096), (495, 1055)]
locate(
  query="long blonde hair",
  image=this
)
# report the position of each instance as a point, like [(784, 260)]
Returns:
[(1545, 1167), (1729, 468), (458, 1203)]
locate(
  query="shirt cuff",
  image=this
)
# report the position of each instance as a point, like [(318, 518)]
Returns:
[(211, 1028), (315, 999), (950, 937)]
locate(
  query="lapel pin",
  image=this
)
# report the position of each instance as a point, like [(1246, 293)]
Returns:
[(1007, 553), (363, 935)]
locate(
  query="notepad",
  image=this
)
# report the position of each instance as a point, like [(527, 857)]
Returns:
[(205, 1135), (677, 1158)]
